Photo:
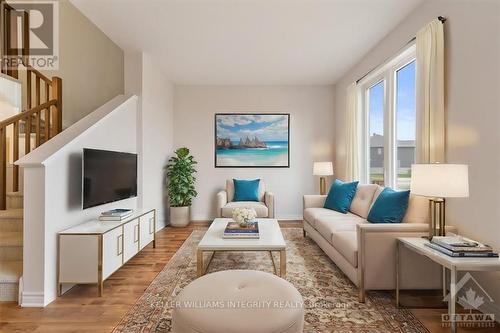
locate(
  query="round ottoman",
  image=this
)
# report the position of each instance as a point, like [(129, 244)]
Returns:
[(238, 301)]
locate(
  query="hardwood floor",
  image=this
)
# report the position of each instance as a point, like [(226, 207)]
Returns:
[(81, 310)]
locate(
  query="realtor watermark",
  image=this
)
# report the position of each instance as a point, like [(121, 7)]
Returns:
[(471, 296), (249, 304), (33, 34)]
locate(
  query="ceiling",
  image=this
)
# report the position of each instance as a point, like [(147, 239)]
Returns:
[(249, 42)]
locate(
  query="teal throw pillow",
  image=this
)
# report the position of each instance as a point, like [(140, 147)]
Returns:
[(246, 190), (340, 196), (390, 206)]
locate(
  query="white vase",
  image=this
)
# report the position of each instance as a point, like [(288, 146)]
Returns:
[(179, 216)]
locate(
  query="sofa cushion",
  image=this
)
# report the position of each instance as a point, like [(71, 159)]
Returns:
[(418, 210), (260, 208), (230, 190), (311, 214), (363, 199), (327, 225), (340, 196), (346, 243)]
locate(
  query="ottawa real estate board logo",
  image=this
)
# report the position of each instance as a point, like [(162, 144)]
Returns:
[(31, 34), (471, 296)]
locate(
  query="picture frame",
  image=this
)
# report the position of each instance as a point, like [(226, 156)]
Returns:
[(252, 140)]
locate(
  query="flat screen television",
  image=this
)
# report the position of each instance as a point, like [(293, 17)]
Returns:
[(108, 176)]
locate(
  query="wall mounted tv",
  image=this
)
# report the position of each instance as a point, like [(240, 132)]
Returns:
[(108, 176)]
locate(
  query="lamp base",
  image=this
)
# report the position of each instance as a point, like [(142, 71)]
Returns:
[(322, 185), (438, 216)]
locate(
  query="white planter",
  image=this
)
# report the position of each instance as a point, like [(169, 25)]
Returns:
[(179, 216)]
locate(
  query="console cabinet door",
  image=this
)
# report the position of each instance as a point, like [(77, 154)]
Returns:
[(112, 251), (147, 229), (130, 239)]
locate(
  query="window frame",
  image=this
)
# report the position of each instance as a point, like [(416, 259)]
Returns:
[(388, 74)]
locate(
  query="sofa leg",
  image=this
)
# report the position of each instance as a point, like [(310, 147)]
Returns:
[(361, 296), (304, 232)]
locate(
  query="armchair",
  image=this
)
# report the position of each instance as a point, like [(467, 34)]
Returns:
[(225, 204)]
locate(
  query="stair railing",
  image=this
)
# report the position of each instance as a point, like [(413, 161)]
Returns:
[(42, 118)]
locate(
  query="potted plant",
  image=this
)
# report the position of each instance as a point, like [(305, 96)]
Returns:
[(181, 190)]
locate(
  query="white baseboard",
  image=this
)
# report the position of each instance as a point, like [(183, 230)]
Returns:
[(160, 224), (291, 217), (33, 300)]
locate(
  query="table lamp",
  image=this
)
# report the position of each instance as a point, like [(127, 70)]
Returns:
[(439, 181), (322, 169)]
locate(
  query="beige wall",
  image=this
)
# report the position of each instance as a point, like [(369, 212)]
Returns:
[(311, 138), (91, 65), (472, 50)]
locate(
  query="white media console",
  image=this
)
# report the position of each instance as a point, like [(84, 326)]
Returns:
[(90, 252)]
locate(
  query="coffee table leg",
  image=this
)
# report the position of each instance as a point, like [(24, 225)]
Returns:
[(274, 264), (282, 263), (199, 262)]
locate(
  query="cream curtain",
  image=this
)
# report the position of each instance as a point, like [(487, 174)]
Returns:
[(353, 133), (430, 138)]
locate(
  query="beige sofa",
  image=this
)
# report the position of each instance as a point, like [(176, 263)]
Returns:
[(365, 251), (225, 204)]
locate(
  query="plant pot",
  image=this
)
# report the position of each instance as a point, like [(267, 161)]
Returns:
[(179, 216)]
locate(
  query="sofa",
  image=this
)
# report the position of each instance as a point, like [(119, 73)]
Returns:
[(225, 203), (365, 251)]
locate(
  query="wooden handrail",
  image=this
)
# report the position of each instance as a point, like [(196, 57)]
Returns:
[(23, 115), (43, 117), (38, 74)]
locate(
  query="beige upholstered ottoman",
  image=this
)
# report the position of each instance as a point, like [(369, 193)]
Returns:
[(238, 301)]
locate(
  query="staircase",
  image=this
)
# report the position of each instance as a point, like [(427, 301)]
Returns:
[(39, 122), (11, 246)]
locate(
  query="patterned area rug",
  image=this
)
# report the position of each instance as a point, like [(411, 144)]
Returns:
[(330, 298)]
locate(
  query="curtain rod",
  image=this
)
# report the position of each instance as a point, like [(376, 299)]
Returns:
[(440, 18)]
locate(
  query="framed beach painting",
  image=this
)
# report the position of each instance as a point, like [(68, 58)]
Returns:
[(244, 140)]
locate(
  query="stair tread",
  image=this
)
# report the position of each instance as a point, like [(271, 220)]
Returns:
[(10, 271), (15, 194), (11, 238), (16, 213)]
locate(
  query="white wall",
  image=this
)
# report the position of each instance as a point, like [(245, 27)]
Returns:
[(311, 139), (154, 127), (472, 51), (157, 136), (53, 190)]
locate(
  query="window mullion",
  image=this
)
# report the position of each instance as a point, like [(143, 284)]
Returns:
[(388, 132)]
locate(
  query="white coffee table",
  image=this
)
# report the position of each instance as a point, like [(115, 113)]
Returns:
[(271, 239)]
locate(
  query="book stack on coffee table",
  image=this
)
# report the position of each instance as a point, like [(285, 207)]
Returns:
[(234, 230), (456, 246)]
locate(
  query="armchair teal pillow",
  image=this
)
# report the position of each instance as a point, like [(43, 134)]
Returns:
[(340, 196), (246, 190), (390, 206)]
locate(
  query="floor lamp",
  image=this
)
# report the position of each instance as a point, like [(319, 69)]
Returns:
[(322, 169), (439, 181)]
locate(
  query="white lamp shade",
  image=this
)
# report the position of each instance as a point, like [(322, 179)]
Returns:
[(440, 180), (323, 169)]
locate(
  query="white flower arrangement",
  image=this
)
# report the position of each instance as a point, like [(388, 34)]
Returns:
[(244, 215)]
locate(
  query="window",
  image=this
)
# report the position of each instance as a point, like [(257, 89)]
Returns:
[(389, 122), (376, 123)]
